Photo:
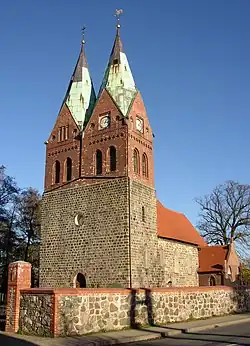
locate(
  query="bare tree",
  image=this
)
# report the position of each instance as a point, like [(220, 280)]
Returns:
[(8, 194), (28, 218), (225, 214)]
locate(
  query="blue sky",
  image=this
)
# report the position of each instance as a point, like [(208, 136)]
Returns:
[(190, 60)]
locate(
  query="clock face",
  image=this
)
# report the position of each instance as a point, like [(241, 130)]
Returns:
[(139, 124), (104, 122)]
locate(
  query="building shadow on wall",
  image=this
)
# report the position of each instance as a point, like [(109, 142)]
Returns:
[(147, 301), (7, 340)]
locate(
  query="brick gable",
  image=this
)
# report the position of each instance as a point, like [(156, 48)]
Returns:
[(58, 149)]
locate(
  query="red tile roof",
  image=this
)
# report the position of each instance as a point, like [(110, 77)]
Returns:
[(212, 258), (176, 226)]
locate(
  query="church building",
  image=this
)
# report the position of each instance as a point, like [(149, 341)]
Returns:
[(102, 225)]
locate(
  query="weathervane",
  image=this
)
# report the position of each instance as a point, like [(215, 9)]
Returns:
[(83, 32), (118, 13)]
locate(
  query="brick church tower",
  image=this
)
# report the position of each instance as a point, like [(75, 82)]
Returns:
[(99, 225)]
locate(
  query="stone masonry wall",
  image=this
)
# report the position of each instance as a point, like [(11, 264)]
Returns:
[(36, 314), (85, 311), (179, 262), (156, 262), (145, 262), (98, 248)]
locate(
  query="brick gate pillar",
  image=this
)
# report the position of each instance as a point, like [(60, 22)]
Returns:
[(19, 277)]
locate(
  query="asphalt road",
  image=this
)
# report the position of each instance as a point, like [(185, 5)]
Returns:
[(233, 335)]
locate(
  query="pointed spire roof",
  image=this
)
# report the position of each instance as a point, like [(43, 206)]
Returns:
[(118, 79), (80, 97), (117, 47), (81, 62)]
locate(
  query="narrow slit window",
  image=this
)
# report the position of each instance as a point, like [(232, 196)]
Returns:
[(143, 214)]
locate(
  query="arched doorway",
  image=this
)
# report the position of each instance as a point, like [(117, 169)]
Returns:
[(80, 281)]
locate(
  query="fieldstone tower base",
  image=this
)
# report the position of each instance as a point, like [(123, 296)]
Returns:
[(99, 230)]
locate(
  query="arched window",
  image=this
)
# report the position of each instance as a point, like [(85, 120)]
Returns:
[(169, 284), (212, 281), (98, 162), (57, 172), (68, 169), (145, 165), (112, 157), (136, 161), (80, 281)]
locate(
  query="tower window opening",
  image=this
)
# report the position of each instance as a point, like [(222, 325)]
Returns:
[(57, 172), (115, 61), (68, 169), (98, 162), (112, 156), (145, 165), (136, 161), (80, 281)]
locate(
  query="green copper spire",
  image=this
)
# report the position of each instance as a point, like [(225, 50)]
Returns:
[(118, 79), (80, 96)]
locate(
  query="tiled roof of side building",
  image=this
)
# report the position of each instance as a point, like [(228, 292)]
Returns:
[(175, 226), (212, 258)]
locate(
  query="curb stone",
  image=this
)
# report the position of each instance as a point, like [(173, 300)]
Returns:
[(150, 333), (216, 325)]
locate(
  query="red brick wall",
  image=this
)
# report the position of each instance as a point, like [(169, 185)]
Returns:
[(142, 141), (19, 277), (56, 150), (121, 134), (94, 138)]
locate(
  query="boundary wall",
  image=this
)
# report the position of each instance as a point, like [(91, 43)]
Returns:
[(73, 311)]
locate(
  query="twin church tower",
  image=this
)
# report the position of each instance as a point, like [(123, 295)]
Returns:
[(99, 209), (101, 137)]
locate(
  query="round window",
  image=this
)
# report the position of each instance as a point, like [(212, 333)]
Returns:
[(79, 220)]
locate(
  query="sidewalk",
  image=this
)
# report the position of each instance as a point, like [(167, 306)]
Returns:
[(125, 336)]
